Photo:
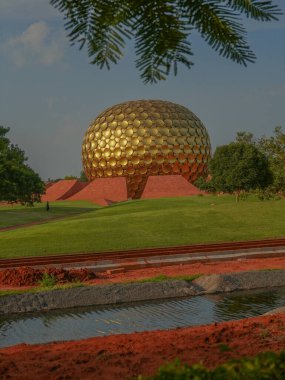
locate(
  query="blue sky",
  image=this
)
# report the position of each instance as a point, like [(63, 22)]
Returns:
[(49, 92)]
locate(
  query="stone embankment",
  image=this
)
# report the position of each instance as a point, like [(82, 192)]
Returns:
[(123, 293)]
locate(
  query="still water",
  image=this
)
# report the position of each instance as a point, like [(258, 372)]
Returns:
[(93, 321)]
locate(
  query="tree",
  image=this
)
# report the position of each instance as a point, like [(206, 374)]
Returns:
[(53, 180), (18, 182), (274, 148), (244, 137), (70, 177), (239, 166), (83, 177), (161, 30)]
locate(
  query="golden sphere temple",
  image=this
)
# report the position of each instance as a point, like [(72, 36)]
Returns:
[(143, 138)]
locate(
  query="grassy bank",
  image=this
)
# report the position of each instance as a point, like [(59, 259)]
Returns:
[(78, 284), (150, 223), (39, 289), (17, 215)]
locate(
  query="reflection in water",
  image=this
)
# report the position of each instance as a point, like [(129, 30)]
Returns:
[(238, 304), (152, 315)]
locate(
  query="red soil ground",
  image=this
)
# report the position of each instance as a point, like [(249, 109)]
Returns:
[(126, 356), (120, 357), (171, 271), (26, 276), (195, 268)]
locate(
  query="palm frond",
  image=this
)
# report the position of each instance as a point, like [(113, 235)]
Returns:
[(160, 40), (258, 10), (100, 25), (161, 30), (221, 28)]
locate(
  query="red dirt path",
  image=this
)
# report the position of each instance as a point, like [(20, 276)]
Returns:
[(121, 357), (36, 222), (185, 269), (196, 268)]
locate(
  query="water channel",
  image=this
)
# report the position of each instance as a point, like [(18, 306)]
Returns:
[(94, 321)]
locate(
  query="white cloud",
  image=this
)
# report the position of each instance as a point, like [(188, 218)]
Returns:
[(37, 44)]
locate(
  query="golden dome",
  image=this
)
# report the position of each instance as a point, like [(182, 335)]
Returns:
[(140, 138)]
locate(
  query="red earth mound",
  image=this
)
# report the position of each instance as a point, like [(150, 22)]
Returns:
[(48, 184), (169, 186), (103, 191), (27, 276), (62, 190), (119, 357)]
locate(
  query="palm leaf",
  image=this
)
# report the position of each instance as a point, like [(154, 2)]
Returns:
[(161, 30)]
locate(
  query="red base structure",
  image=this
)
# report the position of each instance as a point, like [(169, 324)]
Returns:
[(63, 189), (169, 186), (103, 191)]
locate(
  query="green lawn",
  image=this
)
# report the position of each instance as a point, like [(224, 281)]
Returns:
[(16, 215), (150, 223)]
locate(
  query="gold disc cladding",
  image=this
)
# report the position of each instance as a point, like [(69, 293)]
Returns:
[(139, 138)]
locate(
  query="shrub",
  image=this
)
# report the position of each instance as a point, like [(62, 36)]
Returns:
[(48, 280), (267, 195), (206, 185), (265, 366)]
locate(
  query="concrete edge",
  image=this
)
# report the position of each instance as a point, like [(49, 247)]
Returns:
[(113, 294)]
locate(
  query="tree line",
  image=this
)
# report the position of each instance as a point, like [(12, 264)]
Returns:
[(248, 164), (243, 165), (18, 182)]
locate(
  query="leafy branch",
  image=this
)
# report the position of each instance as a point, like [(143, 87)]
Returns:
[(161, 30)]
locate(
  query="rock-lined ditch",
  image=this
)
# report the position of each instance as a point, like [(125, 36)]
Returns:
[(125, 293)]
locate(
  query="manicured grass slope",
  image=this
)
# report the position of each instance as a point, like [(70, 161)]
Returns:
[(150, 223), (16, 215)]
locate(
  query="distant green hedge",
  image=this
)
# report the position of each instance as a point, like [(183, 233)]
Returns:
[(265, 366)]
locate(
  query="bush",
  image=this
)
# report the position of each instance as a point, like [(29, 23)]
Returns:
[(48, 280), (267, 195), (205, 185), (265, 366)]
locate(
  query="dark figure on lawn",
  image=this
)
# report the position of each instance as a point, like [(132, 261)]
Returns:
[(47, 206)]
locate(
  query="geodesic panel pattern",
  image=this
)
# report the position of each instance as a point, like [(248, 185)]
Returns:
[(140, 138)]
